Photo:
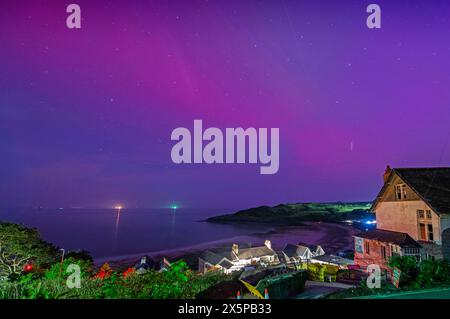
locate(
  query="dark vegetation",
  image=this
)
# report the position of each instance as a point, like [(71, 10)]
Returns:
[(31, 268), (295, 214), (415, 275)]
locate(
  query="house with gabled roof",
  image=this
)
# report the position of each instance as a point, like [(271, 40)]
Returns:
[(296, 253), (377, 246), (316, 250), (236, 258), (301, 252), (413, 216)]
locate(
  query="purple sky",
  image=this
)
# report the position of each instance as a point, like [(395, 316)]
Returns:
[(86, 115)]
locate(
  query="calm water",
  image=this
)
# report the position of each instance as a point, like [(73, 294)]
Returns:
[(105, 232)]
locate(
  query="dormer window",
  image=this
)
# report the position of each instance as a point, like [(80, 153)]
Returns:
[(400, 191)]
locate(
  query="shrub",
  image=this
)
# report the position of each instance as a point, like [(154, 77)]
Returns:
[(409, 267), (433, 273), (316, 272), (176, 281), (20, 245)]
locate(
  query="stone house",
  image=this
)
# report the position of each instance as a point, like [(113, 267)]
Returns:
[(413, 216)]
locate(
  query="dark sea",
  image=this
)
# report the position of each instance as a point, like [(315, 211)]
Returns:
[(108, 233)]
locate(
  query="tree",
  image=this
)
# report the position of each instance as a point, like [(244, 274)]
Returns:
[(20, 245)]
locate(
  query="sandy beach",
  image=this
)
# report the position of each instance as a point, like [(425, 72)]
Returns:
[(332, 237)]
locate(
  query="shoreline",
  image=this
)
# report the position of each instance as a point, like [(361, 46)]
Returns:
[(332, 237)]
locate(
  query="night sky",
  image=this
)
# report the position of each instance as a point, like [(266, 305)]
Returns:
[(86, 115)]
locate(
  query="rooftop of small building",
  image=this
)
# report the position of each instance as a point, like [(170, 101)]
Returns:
[(215, 256), (311, 247), (332, 259), (386, 236), (255, 252), (292, 250)]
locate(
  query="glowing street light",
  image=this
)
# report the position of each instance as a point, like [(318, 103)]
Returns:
[(118, 207)]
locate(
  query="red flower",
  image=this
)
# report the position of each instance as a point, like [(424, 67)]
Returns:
[(104, 272), (128, 272)]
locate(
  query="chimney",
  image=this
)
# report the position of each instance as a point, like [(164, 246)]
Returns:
[(235, 248), (386, 174), (268, 244)]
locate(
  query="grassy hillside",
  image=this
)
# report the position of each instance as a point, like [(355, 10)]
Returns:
[(295, 214)]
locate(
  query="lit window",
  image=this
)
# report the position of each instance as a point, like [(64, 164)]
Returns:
[(400, 191)]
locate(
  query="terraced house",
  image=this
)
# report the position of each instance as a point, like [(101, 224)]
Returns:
[(301, 253), (236, 258), (413, 217)]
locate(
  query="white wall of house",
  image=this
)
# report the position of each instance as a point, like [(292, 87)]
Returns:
[(401, 216), (241, 263), (237, 265)]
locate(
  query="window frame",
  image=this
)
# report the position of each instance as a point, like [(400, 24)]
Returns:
[(423, 238), (367, 247), (430, 232), (383, 252), (400, 191), (420, 214), (359, 245)]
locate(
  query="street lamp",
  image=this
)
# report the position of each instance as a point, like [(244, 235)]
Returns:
[(62, 255)]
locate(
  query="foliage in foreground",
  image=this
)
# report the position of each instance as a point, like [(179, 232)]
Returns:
[(47, 278), (177, 281), (20, 245), (414, 276)]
